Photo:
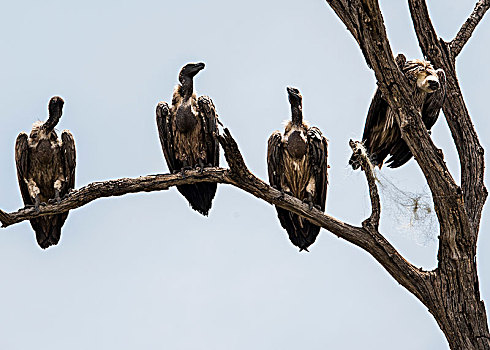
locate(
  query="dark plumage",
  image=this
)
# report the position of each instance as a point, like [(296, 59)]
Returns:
[(46, 171), (381, 133), (187, 136), (297, 164)]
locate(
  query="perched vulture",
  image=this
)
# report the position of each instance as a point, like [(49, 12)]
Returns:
[(187, 136), (297, 165), (381, 133), (46, 171)]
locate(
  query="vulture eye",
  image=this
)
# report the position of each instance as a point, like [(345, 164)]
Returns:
[(34, 135)]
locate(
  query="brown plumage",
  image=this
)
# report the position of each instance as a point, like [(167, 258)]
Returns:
[(297, 165), (186, 133), (46, 171), (381, 133)]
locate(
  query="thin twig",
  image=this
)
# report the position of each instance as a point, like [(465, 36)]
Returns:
[(468, 27), (360, 151)]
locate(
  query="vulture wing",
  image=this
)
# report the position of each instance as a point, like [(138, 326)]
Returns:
[(374, 128), (164, 124), (318, 153), (22, 164), (210, 130), (69, 159), (274, 159)]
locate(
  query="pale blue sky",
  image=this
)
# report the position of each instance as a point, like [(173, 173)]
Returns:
[(144, 271)]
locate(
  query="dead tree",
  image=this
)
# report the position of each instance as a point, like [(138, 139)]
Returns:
[(450, 291)]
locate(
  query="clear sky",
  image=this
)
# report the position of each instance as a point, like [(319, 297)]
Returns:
[(144, 271)]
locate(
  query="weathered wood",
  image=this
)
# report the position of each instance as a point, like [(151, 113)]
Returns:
[(451, 292), (112, 188), (360, 152)]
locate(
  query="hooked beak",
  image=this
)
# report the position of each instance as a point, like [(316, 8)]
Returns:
[(293, 91)]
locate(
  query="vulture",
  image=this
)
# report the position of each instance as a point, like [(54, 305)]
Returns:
[(381, 132), (46, 171), (297, 165), (187, 133)]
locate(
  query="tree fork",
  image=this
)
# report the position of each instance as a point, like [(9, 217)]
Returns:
[(452, 290)]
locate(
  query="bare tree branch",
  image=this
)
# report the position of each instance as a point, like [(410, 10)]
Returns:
[(468, 27), (238, 175), (112, 188), (359, 150)]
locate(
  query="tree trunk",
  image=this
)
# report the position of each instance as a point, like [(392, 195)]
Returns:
[(456, 305)]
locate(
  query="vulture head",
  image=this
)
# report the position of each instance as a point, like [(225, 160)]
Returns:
[(294, 96), (424, 74), (189, 71)]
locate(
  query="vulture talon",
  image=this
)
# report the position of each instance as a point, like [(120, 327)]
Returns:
[(309, 202)]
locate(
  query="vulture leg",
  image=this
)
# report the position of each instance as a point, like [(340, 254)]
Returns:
[(184, 168), (309, 200), (37, 202)]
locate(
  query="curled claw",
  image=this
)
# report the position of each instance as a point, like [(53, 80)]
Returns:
[(68, 194), (200, 166), (183, 170), (56, 198), (281, 196), (310, 204)]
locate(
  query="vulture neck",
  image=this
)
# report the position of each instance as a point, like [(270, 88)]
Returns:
[(297, 114), (52, 121), (187, 88)]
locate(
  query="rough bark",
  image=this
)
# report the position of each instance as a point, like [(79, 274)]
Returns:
[(452, 289)]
